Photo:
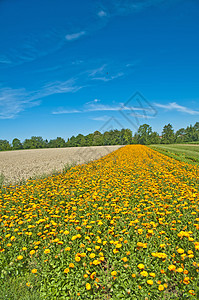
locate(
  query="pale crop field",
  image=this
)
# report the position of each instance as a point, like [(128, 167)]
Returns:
[(19, 165)]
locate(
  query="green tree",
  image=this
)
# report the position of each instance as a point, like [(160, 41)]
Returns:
[(16, 144), (180, 135), (144, 134), (154, 138), (4, 145), (126, 136), (98, 139), (168, 136)]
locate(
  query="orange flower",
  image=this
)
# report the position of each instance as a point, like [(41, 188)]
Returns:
[(66, 270)]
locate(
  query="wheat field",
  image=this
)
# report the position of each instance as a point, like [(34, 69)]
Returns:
[(19, 165)]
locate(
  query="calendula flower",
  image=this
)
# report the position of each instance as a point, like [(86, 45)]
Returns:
[(141, 266), (66, 270), (92, 255), (161, 287), (46, 251), (114, 273), (171, 268), (88, 286), (144, 273), (20, 257)]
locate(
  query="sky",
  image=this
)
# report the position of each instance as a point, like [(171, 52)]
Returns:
[(70, 67)]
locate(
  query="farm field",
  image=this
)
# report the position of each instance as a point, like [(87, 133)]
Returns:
[(184, 152), (20, 165), (122, 227)]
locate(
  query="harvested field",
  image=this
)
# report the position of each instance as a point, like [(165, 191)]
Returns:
[(16, 166)]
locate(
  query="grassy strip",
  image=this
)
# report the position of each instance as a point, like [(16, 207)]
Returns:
[(181, 154)]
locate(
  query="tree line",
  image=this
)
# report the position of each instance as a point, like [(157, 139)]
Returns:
[(144, 136)]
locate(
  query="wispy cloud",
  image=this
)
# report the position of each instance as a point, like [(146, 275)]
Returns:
[(102, 118), (96, 106), (108, 77), (176, 107), (143, 116), (14, 101), (65, 111), (75, 36)]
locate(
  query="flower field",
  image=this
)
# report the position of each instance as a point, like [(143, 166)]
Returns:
[(122, 227)]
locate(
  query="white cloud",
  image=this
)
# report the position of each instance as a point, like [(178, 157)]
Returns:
[(102, 13), (94, 105), (97, 70), (65, 111), (102, 118), (14, 101), (177, 107), (75, 36), (108, 78), (141, 116)]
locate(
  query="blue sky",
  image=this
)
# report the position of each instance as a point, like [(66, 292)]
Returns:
[(70, 67)]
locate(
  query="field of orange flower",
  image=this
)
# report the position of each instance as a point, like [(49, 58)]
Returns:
[(122, 227)]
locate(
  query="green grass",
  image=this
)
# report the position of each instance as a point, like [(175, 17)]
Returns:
[(16, 289), (182, 152)]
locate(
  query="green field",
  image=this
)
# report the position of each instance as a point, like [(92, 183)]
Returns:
[(183, 152)]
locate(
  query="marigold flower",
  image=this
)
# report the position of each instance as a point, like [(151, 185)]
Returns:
[(171, 268), (34, 271), (66, 270), (141, 266), (114, 273), (161, 287), (88, 286), (179, 270), (180, 251), (150, 282), (144, 273), (46, 251), (71, 265), (92, 255), (77, 258), (20, 257)]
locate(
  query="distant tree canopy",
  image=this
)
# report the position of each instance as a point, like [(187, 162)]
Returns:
[(144, 136)]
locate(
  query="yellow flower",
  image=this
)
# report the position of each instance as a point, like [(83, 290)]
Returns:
[(46, 251), (133, 275), (71, 265), (34, 271), (114, 273), (20, 257), (67, 249), (179, 270), (92, 255), (32, 252), (161, 287), (150, 282), (77, 258), (171, 268), (66, 270), (125, 259), (88, 286), (141, 266), (144, 273), (180, 251), (152, 275)]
